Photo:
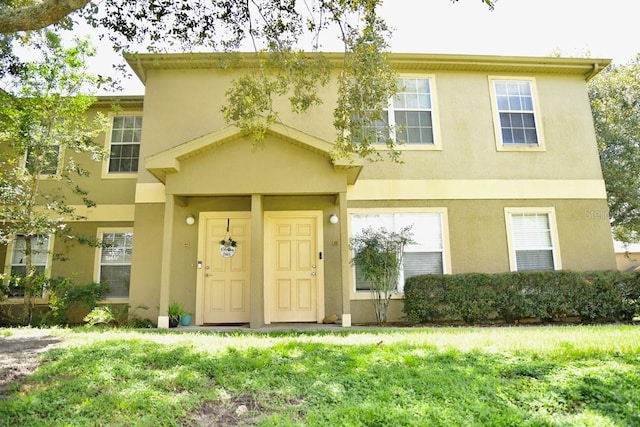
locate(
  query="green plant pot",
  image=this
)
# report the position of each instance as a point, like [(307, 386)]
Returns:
[(185, 320)]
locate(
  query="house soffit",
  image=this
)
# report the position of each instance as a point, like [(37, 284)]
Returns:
[(169, 161), (401, 62)]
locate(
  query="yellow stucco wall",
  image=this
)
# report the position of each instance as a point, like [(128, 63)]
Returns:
[(147, 258), (278, 167), (175, 113)]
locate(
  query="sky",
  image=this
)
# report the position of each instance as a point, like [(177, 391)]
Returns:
[(605, 28), (595, 28)]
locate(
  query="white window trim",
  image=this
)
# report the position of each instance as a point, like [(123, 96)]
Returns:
[(536, 115), (437, 145), (446, 267), (47, 270), (555, 242), (107, 147), (96, 263)]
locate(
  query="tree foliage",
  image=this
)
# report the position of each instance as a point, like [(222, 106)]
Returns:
[(615, 103), (44, 127), (276, 29), (378, 257)]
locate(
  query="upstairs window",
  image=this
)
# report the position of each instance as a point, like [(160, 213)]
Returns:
[(43, 160), (517, 125), (124, 153), (532, 240), (408, 117), (410, 111)]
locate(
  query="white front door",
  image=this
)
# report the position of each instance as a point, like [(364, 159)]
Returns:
[(223, 294), (293, 267)]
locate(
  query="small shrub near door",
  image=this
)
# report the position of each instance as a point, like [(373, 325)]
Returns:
[(511, 297), (378, 258)]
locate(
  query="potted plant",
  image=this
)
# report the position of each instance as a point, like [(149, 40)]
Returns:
[(175, 311), (185, 320)]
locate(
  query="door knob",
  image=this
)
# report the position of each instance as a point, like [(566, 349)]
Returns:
[(313, 273)]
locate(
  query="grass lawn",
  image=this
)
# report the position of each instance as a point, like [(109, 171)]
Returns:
[(520, 376)]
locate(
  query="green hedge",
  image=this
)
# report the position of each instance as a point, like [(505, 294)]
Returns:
[(548, 295)]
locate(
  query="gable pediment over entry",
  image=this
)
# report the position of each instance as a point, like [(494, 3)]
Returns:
[(287, 161)]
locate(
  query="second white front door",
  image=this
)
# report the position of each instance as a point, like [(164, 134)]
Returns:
[(293, 267)]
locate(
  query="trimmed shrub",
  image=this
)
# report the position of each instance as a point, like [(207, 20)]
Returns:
[(470, 297), (66, 297), (511, 297)]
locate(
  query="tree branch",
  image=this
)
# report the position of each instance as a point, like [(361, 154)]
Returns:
[(38, 15)]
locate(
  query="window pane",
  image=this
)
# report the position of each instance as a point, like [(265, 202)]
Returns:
[(524, 88), (129, 122), (377, 131), (361, 284), (39, 251), (43, 160), (514, 100), (527, 103), (503, 103), (531, 235), (416, 263), (116, 135), (114, 165), (534, 260), (115, 263), (117, 277), (39, 259), (15, 289), (518, 128), (125, 158), (414, 127), (126, 133), (515, 103), (116, 150), (518, 136), (507, 136), (411, 111), (531, 137), (531, 230), (516, 120), (118, 122)]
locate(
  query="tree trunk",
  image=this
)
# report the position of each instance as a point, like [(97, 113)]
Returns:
[(38, 15)]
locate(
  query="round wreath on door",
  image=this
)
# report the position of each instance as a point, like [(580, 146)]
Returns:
[(228, 245)]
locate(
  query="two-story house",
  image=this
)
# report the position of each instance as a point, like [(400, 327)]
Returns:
[(500, 173)]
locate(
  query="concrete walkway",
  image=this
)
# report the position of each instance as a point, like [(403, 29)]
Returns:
[(274, 327)]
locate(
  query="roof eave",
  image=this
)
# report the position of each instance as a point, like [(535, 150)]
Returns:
[(588, 67)]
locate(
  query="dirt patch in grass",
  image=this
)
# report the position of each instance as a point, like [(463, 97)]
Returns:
[(242, 410), (19, 356)]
